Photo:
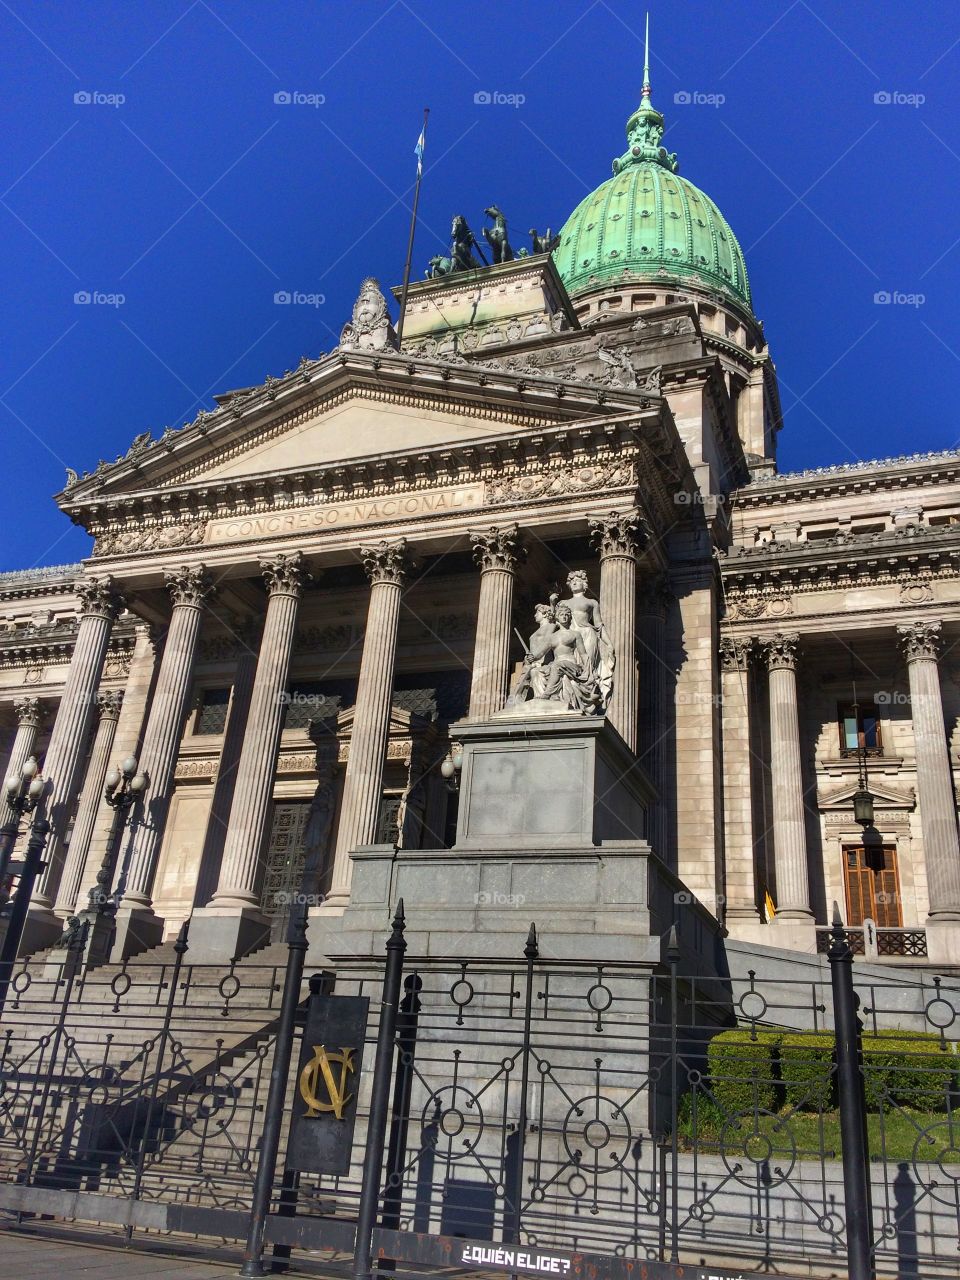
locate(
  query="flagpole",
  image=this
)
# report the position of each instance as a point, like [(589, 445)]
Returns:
[(413, 227)]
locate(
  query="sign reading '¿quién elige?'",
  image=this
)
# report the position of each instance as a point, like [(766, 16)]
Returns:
[(346, 515)]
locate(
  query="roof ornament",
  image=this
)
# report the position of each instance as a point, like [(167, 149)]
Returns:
[(496, 236), (645, 126), (370, 328), (462, 242)]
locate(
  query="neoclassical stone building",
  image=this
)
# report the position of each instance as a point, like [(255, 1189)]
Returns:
[(293, 602)]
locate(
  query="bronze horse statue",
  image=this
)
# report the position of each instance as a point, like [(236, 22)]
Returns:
[(496, 236), (461, 258)]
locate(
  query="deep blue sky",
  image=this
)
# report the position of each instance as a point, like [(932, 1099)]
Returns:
[(198, 198)]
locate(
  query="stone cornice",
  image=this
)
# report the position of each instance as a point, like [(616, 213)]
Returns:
[(881, 475), (856, 558), (588, 459)]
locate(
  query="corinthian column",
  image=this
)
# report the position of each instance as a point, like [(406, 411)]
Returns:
[(739, 882), (385, 564), (233, 924), (138, 927), (497, 551), (619, 536), (921, 643), (68, 742), (108, 705), (29, 715), (789, 829)]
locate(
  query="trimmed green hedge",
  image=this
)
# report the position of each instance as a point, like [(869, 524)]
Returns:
[(908, 1068), (766, 1069), (806, 1070), (741, 1065)]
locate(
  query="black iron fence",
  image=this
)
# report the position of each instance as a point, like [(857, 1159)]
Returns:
[(517, 1116)]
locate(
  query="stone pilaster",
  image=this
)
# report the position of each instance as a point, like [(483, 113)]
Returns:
[(385, 564), (233, 924), (786, 780), (68, 742), (108, 705), (619, 537), (740, 884), (138, 927), (497, 551), (921, 643), (655, 731)]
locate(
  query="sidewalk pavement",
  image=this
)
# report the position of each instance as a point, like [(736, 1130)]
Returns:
[(28, 1255)]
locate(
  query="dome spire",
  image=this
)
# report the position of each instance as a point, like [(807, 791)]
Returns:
[(645, 126)]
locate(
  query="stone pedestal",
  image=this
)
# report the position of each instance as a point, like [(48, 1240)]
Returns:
[(551, 829)]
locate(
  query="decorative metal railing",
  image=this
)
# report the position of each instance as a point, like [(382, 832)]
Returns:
[(890, 942)]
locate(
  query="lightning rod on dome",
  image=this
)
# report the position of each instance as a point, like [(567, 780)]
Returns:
[(645, 92)]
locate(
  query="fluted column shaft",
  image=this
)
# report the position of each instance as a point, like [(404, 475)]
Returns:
[(740, 882), (619, 537), (189, 589), (497, 551), (90, 799), (363, 781), (29, 718), (247, 831), (225, 786), (921, 643), (786, 778), (68, 741)]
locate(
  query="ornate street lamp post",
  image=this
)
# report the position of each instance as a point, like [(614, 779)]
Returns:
[(22, 791), (862, 799), (23, 795), (123, 787)]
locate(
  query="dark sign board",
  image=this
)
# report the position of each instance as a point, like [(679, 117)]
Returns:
[(327, 1084)]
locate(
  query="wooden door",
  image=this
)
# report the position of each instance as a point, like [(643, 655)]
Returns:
[(872, 886)]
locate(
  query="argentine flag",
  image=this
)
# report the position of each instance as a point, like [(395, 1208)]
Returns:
[(418, 152)]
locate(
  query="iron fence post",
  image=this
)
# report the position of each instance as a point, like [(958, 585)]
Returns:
[(379, 1097), (673, 959), (179, 947), (276, 1096), (402, 1088), (531, 951), (853, 1129), (32, 866)]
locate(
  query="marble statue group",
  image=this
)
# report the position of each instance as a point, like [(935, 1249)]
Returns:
[(569, 660)]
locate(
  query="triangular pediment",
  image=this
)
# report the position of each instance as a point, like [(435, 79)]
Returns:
[(345, 410), (884, 796)]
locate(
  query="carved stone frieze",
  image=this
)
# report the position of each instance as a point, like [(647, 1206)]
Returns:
[(759, 606), (188, 533), (561, 482), (921, 640), (916, 591)]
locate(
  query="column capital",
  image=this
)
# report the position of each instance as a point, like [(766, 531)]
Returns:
[(619, 533), (285, 575), (109, 702), (29, 711), (781, 650), (920, 640), (386, 562), (735, 652), (498, 547), (98, 597), (189, 586)]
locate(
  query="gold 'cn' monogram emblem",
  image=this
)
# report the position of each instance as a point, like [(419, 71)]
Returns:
[(320, 1069)]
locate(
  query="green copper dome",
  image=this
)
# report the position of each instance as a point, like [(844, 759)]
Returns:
[(647, 223)]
